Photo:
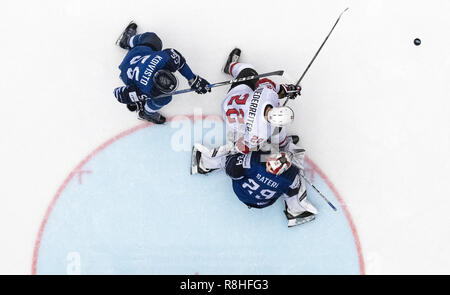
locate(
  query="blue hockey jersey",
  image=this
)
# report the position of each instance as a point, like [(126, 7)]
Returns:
[(256, 187), (141, 63)]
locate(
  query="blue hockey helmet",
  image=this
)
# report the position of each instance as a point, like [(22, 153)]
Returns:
[(165, 81)]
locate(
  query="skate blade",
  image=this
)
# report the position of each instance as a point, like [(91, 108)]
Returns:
[(232, 60), (299, 221)]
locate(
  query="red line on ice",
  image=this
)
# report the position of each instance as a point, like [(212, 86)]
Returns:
[(346, 212), (79, 167), (80, 175)]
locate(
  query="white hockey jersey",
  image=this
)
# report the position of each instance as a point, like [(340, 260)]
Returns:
[(243, 112)]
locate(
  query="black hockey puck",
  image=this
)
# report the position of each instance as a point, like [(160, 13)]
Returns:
[(417, 41)]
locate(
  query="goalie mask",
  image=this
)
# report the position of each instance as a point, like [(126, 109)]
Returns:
[(165, 81), (278, 163), (280, 116)]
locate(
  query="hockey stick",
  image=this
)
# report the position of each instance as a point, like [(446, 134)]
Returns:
[(317, 53), (274, 73), (313, 186)]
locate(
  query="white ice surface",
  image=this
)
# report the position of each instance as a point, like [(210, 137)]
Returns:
[(374, 114)]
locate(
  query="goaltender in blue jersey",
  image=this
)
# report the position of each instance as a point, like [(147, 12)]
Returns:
[(259, 178), (147, 72), (256, 185)]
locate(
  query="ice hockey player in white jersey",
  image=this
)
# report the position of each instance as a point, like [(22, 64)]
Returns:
[(259, 178), (251, 113), (251, 108)]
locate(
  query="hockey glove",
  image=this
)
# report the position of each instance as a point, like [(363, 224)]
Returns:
[(289, 90), (200, 85), (129, 94), (137, 98), (136, 95), (138, 106)]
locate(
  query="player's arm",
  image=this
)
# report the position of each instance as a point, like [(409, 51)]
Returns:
[(256, 139), (236, 165), (298, 209), (245, 147), (241, 146), (178, 63), (129, 94), (282, 90), (288, 90)]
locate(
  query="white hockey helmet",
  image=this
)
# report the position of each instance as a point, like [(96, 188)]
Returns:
[(278, 163), (280, 116)]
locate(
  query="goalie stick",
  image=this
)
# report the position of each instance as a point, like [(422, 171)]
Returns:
[(317, 53), (314, 187), (274, 73)]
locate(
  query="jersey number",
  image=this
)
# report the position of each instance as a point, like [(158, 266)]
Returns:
[(238, 112), (238, 99), (239, 116), (253, 187), (134, 73)]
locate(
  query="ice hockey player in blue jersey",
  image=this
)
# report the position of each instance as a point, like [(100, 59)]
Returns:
[(147, 71), (261, 177)]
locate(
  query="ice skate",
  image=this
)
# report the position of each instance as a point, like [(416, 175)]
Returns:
[(129, 32), (232, 57)]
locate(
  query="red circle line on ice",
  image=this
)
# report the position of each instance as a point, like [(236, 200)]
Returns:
[(76, 171)]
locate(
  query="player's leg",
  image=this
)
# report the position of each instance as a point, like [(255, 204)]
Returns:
[(149, 39), (298, 209), (233, 57), (205, 160), (211, 163), (150, 110), (237, 90), (128, 39), (239, 70), (126, 35)]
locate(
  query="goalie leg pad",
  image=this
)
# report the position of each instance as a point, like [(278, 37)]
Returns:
[(208, 163), (222, 150), (298, 204), (205, 160), (300, 217)]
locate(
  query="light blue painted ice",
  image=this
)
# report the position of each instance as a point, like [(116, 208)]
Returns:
[(140, 212)]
